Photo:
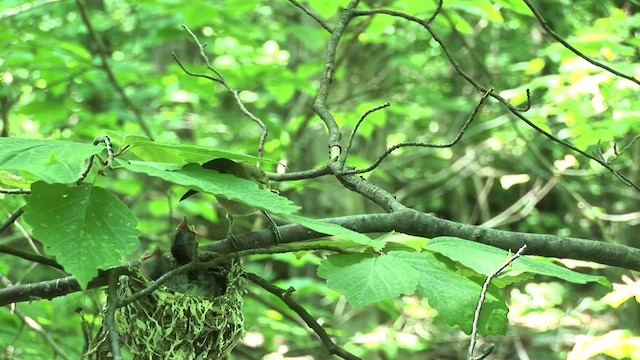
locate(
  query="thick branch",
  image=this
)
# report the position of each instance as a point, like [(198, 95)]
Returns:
[(406, 221)]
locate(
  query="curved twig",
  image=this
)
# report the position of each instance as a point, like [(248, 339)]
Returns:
[(235, 93), (564, 43), (355, 128), (421, 144)]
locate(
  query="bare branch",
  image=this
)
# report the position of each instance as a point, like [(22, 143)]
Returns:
[(102, 53), (300, 175), (235, 93), (514, 110), (355, 128), (30, 256), (409, 221), (11, 220), (313, 15), (110, 315), (34, 325), (285, 296), (319, 105), (421, 144), (483, 294), (564, 43)]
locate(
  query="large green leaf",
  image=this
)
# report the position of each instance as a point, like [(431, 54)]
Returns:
[(485, 259), (54, 161), (364, 279), (86, 228), (228, 186), (335, 230), (454, 296), (149, 150)]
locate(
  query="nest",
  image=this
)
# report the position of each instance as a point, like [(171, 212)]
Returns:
[(198, 315)]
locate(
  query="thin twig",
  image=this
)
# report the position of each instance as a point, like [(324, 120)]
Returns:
[(15, 191), (11, 220), (313, 15), (300, 175), (285, 296), (483, 294), (624, 149), (435, 13), (102, 53), (30, 256), (514, 110), (355, 128), (564, 43), (235, 93), (421, 144)]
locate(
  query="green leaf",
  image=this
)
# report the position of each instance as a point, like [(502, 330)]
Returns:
[(54, 161), (399, 241), (10, 179), (335, 230), (225, 185), (485, 259), (149, 150), (85, 228), (455, 297), (364, 279)]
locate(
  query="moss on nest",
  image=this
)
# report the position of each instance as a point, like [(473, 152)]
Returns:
[(196, 316)]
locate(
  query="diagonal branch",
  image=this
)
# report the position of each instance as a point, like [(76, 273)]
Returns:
[(564, 43), (514, 110), (102, 53), (219, 78), (285, 296)]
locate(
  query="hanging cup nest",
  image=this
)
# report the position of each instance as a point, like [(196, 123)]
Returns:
[(197, 315)]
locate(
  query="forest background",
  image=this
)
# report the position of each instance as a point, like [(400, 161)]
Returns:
[(421, 74)]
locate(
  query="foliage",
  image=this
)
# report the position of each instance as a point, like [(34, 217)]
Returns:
[(378, 296)]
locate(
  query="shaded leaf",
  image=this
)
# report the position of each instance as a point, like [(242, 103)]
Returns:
[(228, 186), (454, 296)]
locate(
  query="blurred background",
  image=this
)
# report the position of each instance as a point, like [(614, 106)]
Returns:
[(60, 81)]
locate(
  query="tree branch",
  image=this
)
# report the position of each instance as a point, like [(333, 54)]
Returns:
[(405, 221), (285, 296), (102, 53)]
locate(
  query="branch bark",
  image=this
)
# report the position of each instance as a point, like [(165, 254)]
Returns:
[(407, 221)]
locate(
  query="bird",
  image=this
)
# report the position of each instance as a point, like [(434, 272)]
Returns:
[(184, 246), (155, 264), (234, 208)]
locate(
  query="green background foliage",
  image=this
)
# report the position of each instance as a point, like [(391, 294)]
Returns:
[(56, 91)]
